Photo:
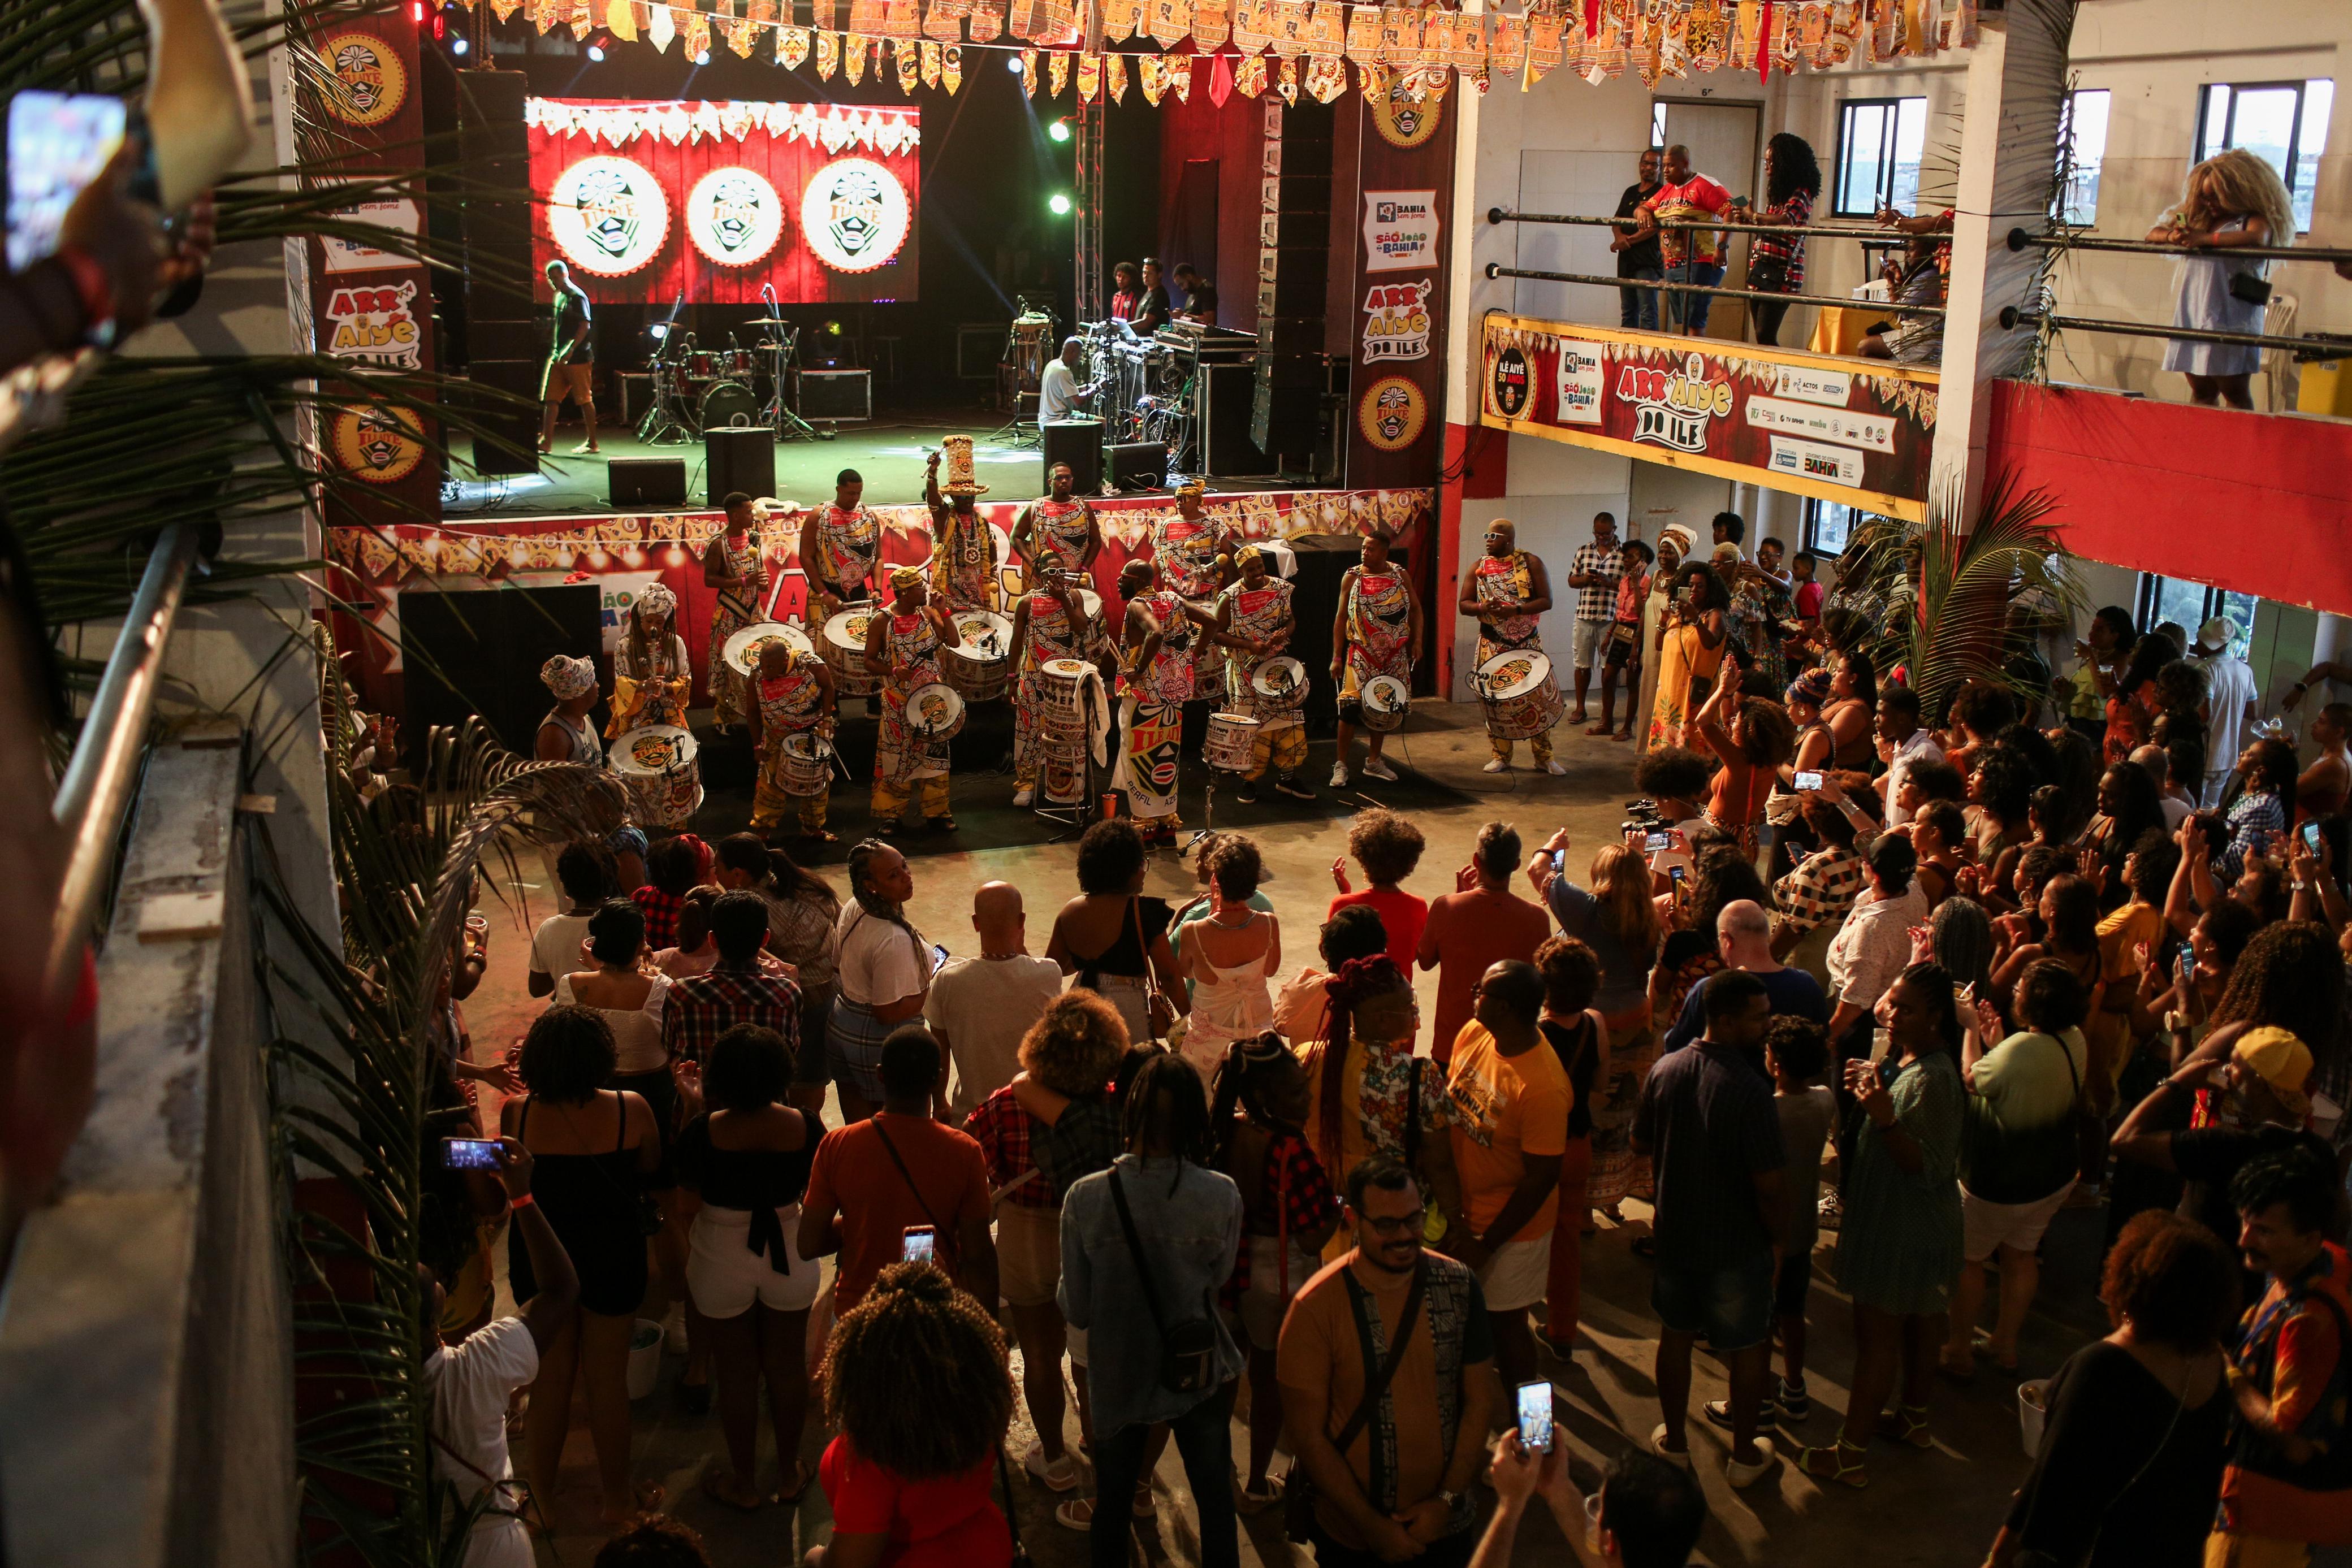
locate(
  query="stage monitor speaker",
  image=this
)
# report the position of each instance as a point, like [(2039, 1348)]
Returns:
[(480, 652), (835, 394), (1139, 466), (509, 439), (739, 458), (1078, 443), (1323, 561), (647, 481)]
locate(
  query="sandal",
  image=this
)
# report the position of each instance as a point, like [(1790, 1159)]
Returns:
[(1078, 1513), (732, 1492), (802, 1476), (1981, 1342), (821, 837), (1144, 1508), (1599, 730), (1830, 1463), (1906, 1423)]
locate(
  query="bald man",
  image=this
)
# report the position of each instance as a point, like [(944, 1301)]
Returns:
[(1743, 934), (981, 1007), (1507, 593)]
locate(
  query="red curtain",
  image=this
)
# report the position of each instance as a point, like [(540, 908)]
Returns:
[(789, 163)]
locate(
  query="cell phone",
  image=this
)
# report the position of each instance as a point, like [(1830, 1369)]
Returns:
[(916, 1247), (470, 1154), (1534, 1417), (1808, 779), (58, 142), (939, 956), (2311, 837), (1674, 874), (1655, 841)]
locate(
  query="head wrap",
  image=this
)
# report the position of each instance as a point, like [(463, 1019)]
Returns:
[(568, 678), (656, 601), (1811, 689), (1196, 488), (906, 576), (2280, 1061), (1252, 552), (1683, 539)]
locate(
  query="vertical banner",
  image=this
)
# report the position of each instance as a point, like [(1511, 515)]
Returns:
[(1406, 183)]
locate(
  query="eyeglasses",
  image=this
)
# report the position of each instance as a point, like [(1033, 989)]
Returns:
[(1402, 1225)]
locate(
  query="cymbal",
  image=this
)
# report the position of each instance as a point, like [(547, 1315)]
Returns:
[(767, 321)]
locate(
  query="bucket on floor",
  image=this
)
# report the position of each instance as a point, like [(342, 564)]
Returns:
[(645, 1358), (2032, 1410)]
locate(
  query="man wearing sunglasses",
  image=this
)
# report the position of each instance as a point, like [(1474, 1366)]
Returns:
[(1391, 1477)]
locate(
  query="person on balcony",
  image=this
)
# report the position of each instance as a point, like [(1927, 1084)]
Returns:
[(1917, 278), (1688, 254), (1776, 263), (1638, 257), (2233, 200)]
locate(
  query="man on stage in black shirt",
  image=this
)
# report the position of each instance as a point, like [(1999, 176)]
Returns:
[(1151, 313), (569, 360), (1639, 259), (1200, 295)]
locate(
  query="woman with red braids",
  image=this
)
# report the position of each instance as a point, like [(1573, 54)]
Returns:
[(1372, 1095)]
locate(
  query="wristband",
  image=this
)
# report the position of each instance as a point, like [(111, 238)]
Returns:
[(516, 1205), (94, 289)]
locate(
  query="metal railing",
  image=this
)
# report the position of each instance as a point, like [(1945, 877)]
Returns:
[(2021, 239), (1875, 236), (1497, 269), (2307, 348), (97, 788)]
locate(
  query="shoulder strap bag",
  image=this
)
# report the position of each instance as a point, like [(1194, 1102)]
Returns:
[(1298, 1497), (1188, 1348), (941, 1237)]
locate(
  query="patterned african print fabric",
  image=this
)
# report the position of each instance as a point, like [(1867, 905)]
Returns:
[(963, 562), (848, 543), (1506, 579), (738, 606)]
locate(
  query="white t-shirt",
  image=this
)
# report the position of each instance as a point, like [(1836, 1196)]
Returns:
[(1057, 391), (555, 945), (470, 1385), (2230, 686), (875, 963), (1920, 748), (983, 1007)]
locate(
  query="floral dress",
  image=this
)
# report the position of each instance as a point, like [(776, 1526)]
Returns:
[(1899, 1247), (1378, 1080)]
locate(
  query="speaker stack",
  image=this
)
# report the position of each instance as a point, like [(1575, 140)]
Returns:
[(739, 457), (1293, 273), (503, 326)]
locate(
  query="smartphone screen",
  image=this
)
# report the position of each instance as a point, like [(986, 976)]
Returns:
[(916, 1245), (2311, 837), (1674, 874), (939, 956), (470, 1154), (57, 144), (1656, 842), (1808, 780), (1534, 1417)]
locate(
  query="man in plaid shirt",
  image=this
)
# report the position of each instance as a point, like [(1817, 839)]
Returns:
[(1824, 884), (1593, 573), (672, 871), (701, 1007)]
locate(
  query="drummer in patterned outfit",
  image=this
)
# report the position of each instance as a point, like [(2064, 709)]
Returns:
[(839, 543), (1374, 634), (793, 693), (1057, 528), (906, 645), (1193, 552), (736, 566), (1257, 610), (1049, 622), (1506, 592), (1156, 680), (651, 677), (963, 554)]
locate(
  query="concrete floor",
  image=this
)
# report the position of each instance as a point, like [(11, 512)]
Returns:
[(1937, 1508)]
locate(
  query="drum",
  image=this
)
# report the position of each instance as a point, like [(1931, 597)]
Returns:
[(1279, 684), (844, 646), (656, 765), (1231, 743), (742, 649), (1061, 698), (980, 668), (728, 404), (805, 767), (935, 713), (1386, 700), (740, 364), (1522, 698), (701, 367)]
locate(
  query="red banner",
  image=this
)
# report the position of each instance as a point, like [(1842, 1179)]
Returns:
[(649, 201), (1858, 432)]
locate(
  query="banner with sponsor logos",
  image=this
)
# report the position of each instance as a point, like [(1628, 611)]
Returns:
[(1395, 273), (647, 200), (1855, 431)]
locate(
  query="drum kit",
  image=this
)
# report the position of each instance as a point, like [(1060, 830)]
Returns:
[(697, 389), (658, 765), (1521, 697)]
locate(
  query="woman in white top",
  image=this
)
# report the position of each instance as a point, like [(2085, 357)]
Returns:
[(1230, 958), (883, 967), (2232, 201)]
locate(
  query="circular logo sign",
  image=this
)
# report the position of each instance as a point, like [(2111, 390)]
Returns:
[(734, 216), (381, 446), (1510, 383), (1392, 413), (855, 214), (608, 215), (1402, 121), (374, 83)]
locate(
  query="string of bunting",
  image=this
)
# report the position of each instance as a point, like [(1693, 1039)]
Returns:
[(1308, 43)]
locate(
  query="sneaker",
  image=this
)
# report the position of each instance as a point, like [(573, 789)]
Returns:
[(1246, 792), (1555, 768), (1741, 1475), (1294, 789), (1493, 765), (1672, 1456), (1023, 796), (1339, 776), (1831, 1214), (1794, 1402), (1378, 768), (1719, 1411), (1060, 1475)]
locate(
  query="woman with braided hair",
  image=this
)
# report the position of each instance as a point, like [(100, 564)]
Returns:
[(1372, 1095), (883, 970), (1288, 1213), (916, 1378)]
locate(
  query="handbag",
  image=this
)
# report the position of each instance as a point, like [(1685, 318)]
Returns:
[(1188, 1349), (1298, 1497), (2249, 288), (1768, 274), (1158, 1009)]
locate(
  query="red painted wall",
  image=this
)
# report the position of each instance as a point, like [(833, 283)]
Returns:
[(2254, 503), (1233, 136)]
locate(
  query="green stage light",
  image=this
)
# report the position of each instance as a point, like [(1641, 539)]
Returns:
[(1059, 131), (1060, 203)]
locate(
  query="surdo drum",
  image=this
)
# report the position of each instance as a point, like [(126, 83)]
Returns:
[(656, 765), (1522, 698)]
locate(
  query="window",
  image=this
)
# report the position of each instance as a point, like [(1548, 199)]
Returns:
[(2191, 604), (2282, 122), (1657, 125), (1880, 142), (1827, 526), (2084, 127)]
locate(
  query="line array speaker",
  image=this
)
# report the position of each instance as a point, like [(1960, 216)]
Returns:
[(503, 334)]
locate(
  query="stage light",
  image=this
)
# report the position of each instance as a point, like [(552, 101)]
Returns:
[(833, 328), (417, 12), (457, 46), (598, 41), (702, 58), (1059, 131), (1060, 202), (1012, 64), (659, 330), (596, 53)]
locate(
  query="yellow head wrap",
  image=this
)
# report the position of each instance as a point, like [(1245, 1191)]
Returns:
[(906, 576)]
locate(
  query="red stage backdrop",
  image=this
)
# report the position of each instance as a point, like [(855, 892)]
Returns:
[(647, 200)]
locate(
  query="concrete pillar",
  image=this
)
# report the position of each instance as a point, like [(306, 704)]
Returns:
[(2008, 138)]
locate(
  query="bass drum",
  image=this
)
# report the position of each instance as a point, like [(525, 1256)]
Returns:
[(726, 405), (1522, 695), (844, 650)]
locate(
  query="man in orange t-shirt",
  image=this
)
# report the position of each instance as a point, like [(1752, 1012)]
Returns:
[(1510, 1101)]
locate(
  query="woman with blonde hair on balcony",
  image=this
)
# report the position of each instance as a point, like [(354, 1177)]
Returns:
[(2232, 200)]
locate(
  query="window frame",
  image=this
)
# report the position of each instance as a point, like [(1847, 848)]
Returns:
[(1810, 531), (2069, 125), (2214, 602), (1885, 196), (2199, 150)]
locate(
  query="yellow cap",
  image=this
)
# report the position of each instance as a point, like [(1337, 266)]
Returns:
[(2279, 1059)]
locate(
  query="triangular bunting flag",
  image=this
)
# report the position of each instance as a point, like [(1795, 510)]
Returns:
[(1057, 73), (828, 55), (1115, 75)]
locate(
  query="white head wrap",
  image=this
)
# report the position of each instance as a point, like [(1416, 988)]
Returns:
[(568, 678), (656, 601)]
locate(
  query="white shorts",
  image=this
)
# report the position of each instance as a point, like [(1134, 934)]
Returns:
[(1518, 1275), (1987, 1226), (1590, 643), (725, 1276)]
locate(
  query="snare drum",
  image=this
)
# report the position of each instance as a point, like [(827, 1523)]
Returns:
[(742, 649), (1522, 698), (845, 651), (1231, 743), (1062, 699), (1385, 700), (1278, 686), (805, 763), (981, 666), (656, 765), (935, 713)]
